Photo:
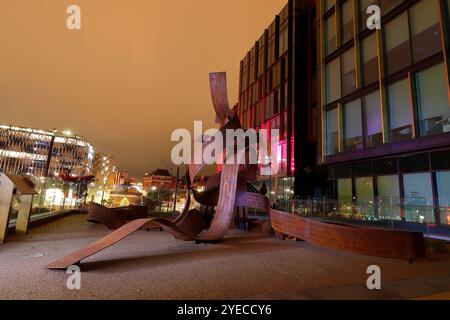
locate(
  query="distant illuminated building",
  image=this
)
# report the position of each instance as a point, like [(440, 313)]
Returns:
[(124, 196), (41, 153), (121, 177), (104, 170), (159, 179)]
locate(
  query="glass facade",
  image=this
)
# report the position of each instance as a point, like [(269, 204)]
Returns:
[(413, 94), (373, 96), (399, 109)]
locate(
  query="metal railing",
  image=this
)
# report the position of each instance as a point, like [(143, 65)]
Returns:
[(393, 213)]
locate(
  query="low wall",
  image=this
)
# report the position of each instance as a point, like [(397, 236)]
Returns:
[(43, 218), (367, 241)]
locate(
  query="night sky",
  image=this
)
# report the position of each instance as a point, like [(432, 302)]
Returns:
[(136, 71)]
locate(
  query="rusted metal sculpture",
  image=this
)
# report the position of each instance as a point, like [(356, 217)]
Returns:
[(229, 190), (367, 241), (225, 191), (115, 218)]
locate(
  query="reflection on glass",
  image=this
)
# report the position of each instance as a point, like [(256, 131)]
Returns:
[(345, 195), (443, 182), (364, 196), (419, 197)]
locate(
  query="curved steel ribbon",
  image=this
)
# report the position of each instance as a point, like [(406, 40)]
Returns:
[(190, 225), (115, 218)]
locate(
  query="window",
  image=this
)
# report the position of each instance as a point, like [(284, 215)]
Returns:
[(419, 197), (284, 31), (400, 111), (414, 163), (347, 21), (425, 29), (389, 5), (330, 34), (328, 4), (261, 56), (258, 114), (332, 132), (389, 197), (276, 75), (363, 5), (348, 72), (353, 126), (443, 182), (333, 80), (345, 194), (398, 48), (373, 119), (369, 59), (432, 96), (271, 55), (364, 195)]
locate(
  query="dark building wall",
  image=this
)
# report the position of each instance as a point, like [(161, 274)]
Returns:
[(275, 93)]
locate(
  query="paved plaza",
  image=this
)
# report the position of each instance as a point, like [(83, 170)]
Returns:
[(153, 265)]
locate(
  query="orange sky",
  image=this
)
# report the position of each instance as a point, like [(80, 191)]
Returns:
[(136, 71)]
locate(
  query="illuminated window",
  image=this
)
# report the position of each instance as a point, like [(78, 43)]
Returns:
[(443, 183), (400, 111), (389, 197), (364, 195), (432, 96), (419, 197), (345, 193)]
